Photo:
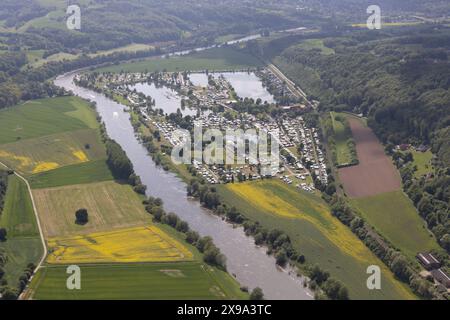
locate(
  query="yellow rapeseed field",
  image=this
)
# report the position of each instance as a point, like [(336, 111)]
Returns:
[(278, 199), (45, 166), (80, 155), (265, 196), (139, 244)]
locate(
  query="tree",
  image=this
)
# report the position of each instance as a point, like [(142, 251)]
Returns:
[(335, 290), (3, 234), (257, 294), (445, 242), (281, 258), (81, 216), (9, 294)]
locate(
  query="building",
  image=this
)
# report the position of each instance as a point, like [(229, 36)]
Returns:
[(441, 277), (428, 261)]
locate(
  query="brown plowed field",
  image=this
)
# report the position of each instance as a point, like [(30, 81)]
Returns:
[(375, 173)]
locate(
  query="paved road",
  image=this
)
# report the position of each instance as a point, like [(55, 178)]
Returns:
[(41, 234)]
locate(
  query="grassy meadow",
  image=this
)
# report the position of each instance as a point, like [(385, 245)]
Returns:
[(422, 160), (18, 216), (23, 245), (341, 137), (143, 244), (82, 173), (323, 239), (44, 117), (213, 59), (316, 44), (46, 153), (395, 217), (110, 205), (175, 281)]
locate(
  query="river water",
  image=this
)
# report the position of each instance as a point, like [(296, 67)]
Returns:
[(249, 263)]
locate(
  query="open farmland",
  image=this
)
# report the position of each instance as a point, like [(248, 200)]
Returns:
[(87, 172), (44, 117), (395, 217), (18, 217), (143, 244), (375, 172), (181, 280), (20, 251), (50, 152), (110, 205), (213, 59), (323, 239), (23, 245)]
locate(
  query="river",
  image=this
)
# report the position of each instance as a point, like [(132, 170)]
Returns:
[(249, 263)]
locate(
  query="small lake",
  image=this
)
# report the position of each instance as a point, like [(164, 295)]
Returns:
[(165, 98), (246, 84)]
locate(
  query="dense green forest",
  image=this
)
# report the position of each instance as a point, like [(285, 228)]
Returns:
[(399, 79)]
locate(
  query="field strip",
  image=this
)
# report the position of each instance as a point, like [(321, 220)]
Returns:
[(41, 234)]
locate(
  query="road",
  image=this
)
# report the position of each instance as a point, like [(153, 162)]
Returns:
[(41, 233), (291, 85)]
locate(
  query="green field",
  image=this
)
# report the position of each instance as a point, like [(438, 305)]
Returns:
[(324, 240), (422, 160), (394, 216), (110, 205), (187, 280), (341, 137), (20, 252), (41, 154), (44, 117), (18, 216), (213, 59), (316, 44), (23, 245), (88, 172)]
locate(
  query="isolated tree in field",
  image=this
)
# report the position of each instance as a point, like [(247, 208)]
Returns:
[(3, 234), (257, 294), (81, 216)]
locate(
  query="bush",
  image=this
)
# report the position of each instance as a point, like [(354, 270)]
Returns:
[(257, 294), (3, 234)]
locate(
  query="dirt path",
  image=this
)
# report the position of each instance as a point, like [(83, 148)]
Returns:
[(41, 234)]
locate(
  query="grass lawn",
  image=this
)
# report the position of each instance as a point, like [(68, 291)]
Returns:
[(323, 239), (395, 217), (43, 117), (87, 172), (110, 206), (220, 59), (18, 216), (50, 152), (422, 160), (175, 281), (143, 244), (341, 137)]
